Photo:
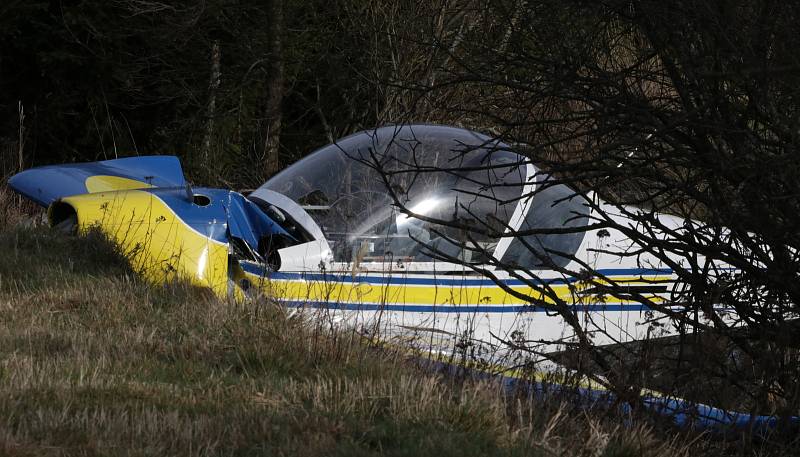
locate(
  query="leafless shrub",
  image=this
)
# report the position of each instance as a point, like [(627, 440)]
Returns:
[(657, 108)]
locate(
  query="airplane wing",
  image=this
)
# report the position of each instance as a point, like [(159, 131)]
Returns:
[(45, 185)]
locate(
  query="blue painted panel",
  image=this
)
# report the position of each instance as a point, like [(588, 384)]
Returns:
[(227, 214), (44, 185), (683, 413), (246, 221)]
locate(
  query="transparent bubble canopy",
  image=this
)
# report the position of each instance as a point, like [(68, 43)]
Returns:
[(404, 193)]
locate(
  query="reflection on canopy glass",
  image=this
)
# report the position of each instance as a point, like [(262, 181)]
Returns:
[(447, 177)]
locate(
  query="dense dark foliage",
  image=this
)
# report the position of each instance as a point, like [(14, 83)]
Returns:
[(101, 79)]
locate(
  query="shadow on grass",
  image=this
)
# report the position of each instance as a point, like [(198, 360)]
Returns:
[(37, 256)]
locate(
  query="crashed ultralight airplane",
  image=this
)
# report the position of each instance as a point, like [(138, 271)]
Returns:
[(435, 238), (406, 231)]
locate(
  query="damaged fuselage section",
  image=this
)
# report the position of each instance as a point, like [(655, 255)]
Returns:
[(385, 230), (165, 228)]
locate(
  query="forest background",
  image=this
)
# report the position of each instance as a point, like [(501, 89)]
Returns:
[(237, 89)]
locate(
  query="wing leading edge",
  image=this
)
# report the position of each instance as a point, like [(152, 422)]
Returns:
[(45, 185)]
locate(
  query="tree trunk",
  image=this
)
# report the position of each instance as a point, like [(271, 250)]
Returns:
[(213, 87), (275, 83)]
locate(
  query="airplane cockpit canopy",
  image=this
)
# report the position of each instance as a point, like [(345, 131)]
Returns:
[(422, 192)]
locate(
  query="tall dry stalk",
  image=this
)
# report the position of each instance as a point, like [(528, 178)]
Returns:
[(21, 143)]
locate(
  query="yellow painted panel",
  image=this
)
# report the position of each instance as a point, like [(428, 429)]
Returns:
[(158, 244), (102, 183)]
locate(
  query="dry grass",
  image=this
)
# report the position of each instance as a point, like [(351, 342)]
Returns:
[(16, 210), (95, 362)]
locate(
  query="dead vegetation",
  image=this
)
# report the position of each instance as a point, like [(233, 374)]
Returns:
[(96, 362)]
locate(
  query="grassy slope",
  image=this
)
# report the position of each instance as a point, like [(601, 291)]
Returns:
[(95, 362)]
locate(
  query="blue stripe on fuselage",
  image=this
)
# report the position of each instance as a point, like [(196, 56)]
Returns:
[(457, 308), (399, 278)]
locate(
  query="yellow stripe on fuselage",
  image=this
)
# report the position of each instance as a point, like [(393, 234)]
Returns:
[(333, 291)]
